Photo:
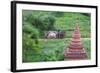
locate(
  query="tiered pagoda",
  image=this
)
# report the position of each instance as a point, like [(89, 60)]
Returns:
[(75, 50)]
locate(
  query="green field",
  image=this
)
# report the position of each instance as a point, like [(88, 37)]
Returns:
[(35, 23)]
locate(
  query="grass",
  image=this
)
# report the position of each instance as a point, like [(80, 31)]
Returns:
[(87, 46), (68, 21), (53, 50)]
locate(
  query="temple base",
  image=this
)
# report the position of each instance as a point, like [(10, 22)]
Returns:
[(75, 54)]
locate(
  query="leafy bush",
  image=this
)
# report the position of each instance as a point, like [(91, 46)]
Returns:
[(30, 47)]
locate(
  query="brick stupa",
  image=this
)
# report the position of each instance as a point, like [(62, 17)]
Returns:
[(75, 50)]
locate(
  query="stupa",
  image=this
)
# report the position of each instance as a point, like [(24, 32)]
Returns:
[(75, 50)]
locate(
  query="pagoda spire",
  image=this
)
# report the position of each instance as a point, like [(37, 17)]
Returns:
[(75, 50), (76, 39)]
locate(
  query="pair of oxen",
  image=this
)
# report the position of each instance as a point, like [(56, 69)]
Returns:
[(55, 34)]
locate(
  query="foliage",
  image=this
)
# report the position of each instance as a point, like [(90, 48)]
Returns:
[(36, 23), (57, 14), (30, 46)]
